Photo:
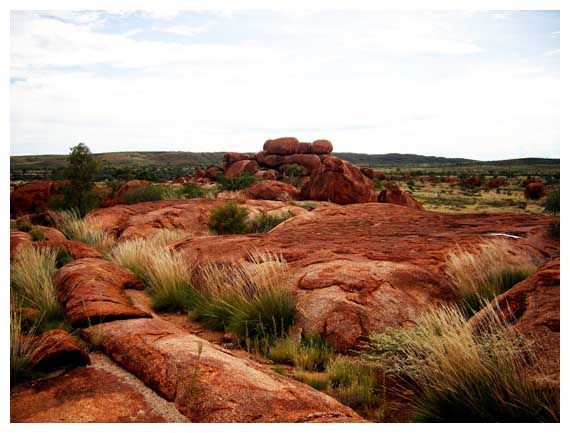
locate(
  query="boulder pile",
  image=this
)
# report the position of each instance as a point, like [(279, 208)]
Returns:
[(321, 175)]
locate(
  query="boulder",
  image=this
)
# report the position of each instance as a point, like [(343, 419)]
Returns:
[(56, 349), (266, 159), (399, 197), (309, 162), (340, 182), (32, 197), (117, 196), (532, 308), (99, 393), (269, 174), (368, 172), (321, 147), (78, 250), (91, 291), (271, 190), (232, 157), (361, 268), (377, 174), (240, 167), (18, 240), (51, 234), (209, 384), (285, 146), (213, 172), (497, 182), (534, 191)]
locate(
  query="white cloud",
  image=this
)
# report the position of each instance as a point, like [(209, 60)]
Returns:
[(183, 30), (555, 52)]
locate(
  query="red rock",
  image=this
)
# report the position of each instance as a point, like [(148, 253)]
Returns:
[(267, 174), (78, 250), (321, 146), (283, 146), (304, 147), (266, 159), (240, 167), (378, 175), (84, 394), (340, 182), (534, 191), (18, 240), (497, 182), (32, 197), (91, 291), (532, 308), (399, 197), (473, 181), (51, 234), (117, 197), (309, 162), (232, 157), (271, 190), (368, 172), (208, 384), (56, 349), (213, 172), (359, 268)]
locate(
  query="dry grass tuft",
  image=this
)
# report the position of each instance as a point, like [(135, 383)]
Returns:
[(463, 376), (494, 267), (79, 229)]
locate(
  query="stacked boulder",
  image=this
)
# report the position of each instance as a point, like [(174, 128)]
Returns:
[(322, 176)]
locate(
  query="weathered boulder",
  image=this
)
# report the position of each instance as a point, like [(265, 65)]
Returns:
[(360, 268), (266, 159), (271, 190), (208, 384), (534, 191), (286, 146), (368, 172), (32, 197), (78, 250), (399, 197), (340, 182), (56, 349), (240, 167), (232, 157), (117, 196), (308, 161), (321, 146), (497, 182), (51, 234), (213, 172), (269, 174), (532, 308), (97, 393), (18, 240), (91, 291)]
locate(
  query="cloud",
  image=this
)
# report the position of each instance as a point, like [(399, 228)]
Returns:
[(502, 16), (183, 30)]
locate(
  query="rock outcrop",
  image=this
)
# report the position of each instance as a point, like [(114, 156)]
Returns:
[(78, 250), (32, 197), (271, 190), (532, 307), (340, 182), (360, 268), (240, 167), (534, 191), (18, 240), (208, 384), (117, 196), (399, 197), (56, 349), (91, 291)]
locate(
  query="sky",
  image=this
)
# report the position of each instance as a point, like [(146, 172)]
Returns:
[(480, 85)]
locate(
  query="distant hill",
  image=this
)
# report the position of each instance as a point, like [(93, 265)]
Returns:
[(169, 165)]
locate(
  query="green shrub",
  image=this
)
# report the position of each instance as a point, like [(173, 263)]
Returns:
[(264, 222), (351, 382), (228, 218), (552, 204), (236, 183), (193, 190), (63, 257), (23, 225), (143, 194), (37, 234), (309, 353)]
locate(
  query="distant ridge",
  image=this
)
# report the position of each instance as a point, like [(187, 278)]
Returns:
[(173, 164)]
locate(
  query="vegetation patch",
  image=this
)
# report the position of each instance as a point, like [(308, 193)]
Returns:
[(229, 218), (308, 353), (351, 381), (265, 222), (235, 183), (464, 376), (144, 194)]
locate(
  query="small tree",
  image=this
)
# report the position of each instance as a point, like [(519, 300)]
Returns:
[(81, 170)]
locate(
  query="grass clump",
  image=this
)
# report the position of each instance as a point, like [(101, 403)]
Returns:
[(142, 194), (309, 353), (477, 277), (193, 190), (31, 275), (23, 225), (37, 234), (265, 222), (247, 299), (235, 183), (466, 375), (22, 349), (79, 229), (62, 257), (352, 382), (228, 218)]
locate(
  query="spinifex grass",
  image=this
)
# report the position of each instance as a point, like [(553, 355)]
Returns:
[(81, 229), (493, 268), (467, 375)]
